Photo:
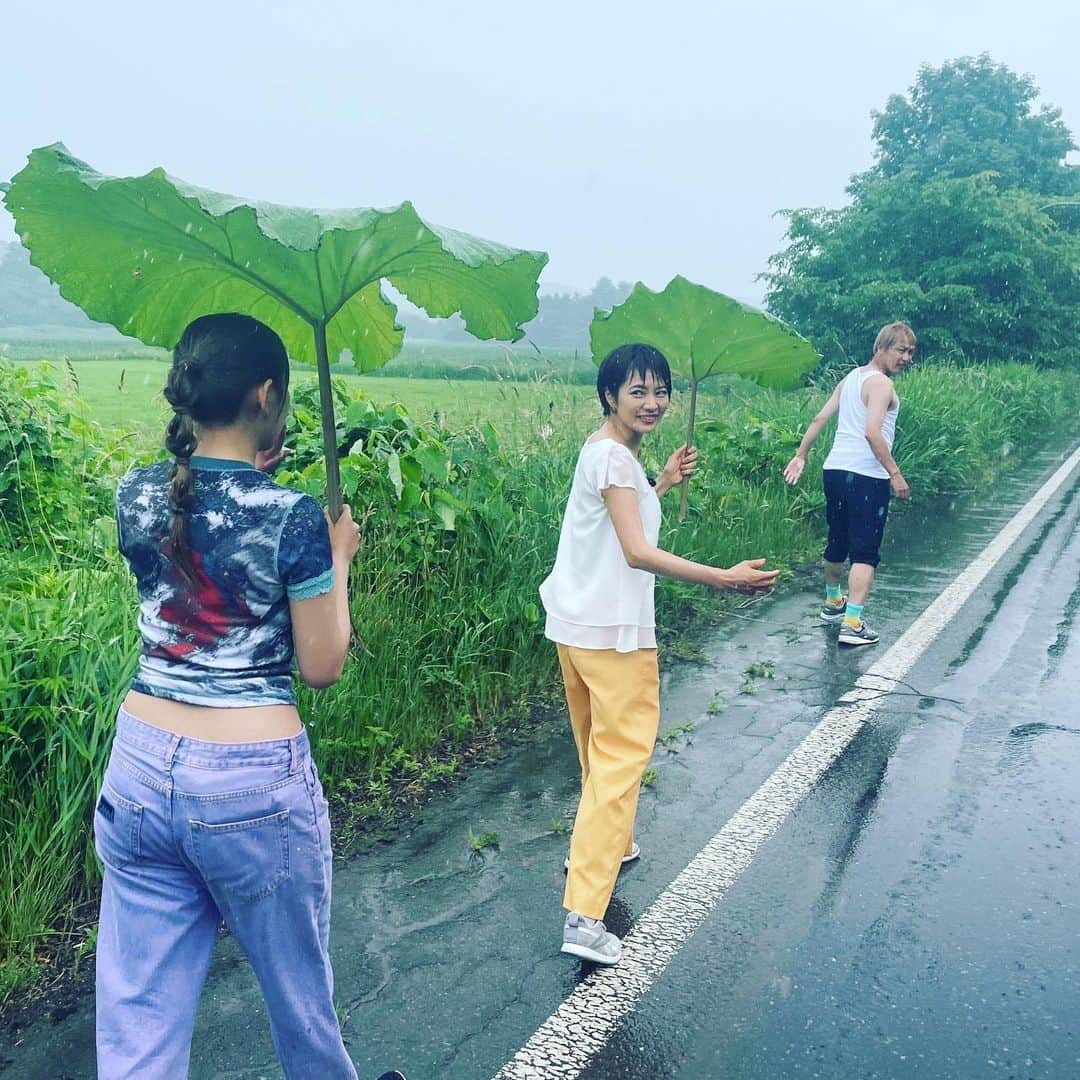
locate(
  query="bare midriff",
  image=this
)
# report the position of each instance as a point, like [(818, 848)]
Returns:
[(252, 723)]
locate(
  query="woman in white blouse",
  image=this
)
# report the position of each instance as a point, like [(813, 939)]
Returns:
[(599, 604)]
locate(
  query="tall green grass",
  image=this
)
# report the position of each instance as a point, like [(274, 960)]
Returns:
[(450, 618)]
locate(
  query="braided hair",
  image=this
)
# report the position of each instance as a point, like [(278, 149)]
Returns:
[(218, 362)]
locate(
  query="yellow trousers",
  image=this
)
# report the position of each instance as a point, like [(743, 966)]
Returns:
[(614, 703)]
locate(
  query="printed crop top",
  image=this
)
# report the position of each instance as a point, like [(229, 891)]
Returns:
[(226, 642)]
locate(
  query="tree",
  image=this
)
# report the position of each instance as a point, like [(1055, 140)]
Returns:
[(941, 231), (972, 116)]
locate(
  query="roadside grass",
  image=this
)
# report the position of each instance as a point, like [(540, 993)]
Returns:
[(453, 646)]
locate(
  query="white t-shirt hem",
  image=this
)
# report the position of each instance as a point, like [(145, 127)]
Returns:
[(620, 638)]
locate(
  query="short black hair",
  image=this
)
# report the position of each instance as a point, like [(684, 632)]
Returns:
[(627, 360)]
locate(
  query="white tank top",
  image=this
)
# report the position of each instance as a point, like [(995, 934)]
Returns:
[(850, 450)]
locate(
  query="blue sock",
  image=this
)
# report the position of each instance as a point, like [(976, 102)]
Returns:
[(832, 593), (853, 615)]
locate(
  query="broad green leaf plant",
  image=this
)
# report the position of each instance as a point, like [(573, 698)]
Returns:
[(704, 333), (148, 254)]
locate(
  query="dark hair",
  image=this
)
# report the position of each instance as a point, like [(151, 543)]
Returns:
[(627, 360), (217, 362)]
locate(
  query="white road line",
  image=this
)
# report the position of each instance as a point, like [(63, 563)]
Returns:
[(565, 1043)]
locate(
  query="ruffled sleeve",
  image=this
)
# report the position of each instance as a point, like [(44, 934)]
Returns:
[(617, 468)]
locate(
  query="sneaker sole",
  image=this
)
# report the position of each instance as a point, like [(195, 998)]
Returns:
[(583, 952), (853, 643), (831, 618)]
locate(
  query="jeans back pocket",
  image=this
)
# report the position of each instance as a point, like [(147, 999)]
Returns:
[(242, 860), (117, 828)]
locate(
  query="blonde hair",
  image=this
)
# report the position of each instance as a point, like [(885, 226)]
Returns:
[(891, 333)]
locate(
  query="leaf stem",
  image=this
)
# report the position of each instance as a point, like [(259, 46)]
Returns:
[(684, 498), (329, 427)]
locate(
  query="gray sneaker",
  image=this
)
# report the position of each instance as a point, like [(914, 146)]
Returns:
[(857, 635), (589, 939), (831, 613)]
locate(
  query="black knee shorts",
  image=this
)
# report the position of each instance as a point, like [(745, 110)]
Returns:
[(856, 507)]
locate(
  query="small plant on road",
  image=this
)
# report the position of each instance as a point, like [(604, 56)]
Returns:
[(481, 841), (671, 737)]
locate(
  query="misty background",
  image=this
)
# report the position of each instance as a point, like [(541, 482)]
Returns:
[(628, 140)]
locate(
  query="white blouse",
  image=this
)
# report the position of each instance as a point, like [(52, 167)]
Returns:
[(593, 598)]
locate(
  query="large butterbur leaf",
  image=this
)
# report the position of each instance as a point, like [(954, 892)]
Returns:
[(148, 254), (703, 333)]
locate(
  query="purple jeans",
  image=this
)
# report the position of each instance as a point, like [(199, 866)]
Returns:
[(192, 833)]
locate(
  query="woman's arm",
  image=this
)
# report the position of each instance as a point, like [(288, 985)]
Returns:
[(321, 625), (622, 506)]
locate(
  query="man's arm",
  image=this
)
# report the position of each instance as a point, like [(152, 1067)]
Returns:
[(879, 395), (796, 465)]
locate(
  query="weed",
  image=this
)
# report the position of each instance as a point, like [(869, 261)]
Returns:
[(760, 669), (649, 776), (672, 736), (481, 841)]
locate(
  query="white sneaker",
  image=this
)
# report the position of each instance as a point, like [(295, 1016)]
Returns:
[(635, 853), (590, 939)]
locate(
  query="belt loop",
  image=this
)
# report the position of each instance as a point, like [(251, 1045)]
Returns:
[(293, 765), (170, 754)]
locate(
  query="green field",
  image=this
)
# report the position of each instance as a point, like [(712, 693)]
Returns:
[(127, 394)]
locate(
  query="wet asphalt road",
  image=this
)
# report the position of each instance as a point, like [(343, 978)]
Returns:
[(917, 916)]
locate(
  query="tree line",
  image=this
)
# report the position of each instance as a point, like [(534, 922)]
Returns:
[(967, 226)]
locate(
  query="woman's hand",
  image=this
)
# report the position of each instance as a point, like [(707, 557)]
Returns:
[(746, 577), (682, 464), (344, 535), (268, 460)]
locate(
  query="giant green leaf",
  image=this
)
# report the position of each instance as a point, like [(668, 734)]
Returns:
[(704, 333), (148, 254)]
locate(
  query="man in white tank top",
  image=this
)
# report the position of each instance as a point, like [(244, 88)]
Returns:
[(858, 475)]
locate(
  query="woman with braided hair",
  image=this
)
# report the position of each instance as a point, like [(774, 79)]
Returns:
[(211, 808)]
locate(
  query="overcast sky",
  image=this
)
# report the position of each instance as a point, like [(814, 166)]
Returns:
[(633, 140)]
